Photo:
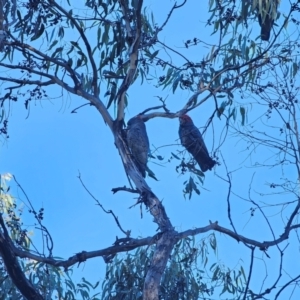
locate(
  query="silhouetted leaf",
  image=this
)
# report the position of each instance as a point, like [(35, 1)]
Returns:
[(53, 44), (176, 81), (175, 156), (113, 92), (243, 113), (221, 108), (151, 173), (39, 33)]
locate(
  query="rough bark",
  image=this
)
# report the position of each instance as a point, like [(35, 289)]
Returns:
[(158, 264), (167, 240)]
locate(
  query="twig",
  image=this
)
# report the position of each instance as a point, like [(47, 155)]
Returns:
[(139, 201), (250, 272), (154, 108), (86, 43), (178, 53), (262, 212), (74, 110), (268, 290), (125, 189), (228, 195), (49, 247), (127, 232), (286, 285), (170, 13)]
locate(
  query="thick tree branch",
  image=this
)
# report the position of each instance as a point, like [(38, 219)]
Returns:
[(240, 238), (132, 244), (43, 57), (159, 261), (129, 245), (26, 81), (93, 99), (167, 240), (8, 254), (133, 54)]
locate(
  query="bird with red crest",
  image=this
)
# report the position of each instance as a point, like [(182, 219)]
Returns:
[(191, 139)]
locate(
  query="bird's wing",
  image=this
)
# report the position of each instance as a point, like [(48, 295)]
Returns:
[(196, 137), (139, 142)]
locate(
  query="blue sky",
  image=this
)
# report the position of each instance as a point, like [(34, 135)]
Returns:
[(47, 150)]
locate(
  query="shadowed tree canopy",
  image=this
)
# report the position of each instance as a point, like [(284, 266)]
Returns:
[(134, 63)]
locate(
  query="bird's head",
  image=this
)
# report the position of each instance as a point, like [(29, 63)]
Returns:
[(135, 120), (185, 119)]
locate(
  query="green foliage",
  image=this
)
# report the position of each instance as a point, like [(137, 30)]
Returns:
[(182, 279), (235, 61), (238, 50), (11, 213), (125, 275), (51, 282)]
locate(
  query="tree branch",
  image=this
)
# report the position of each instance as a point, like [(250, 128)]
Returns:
[(133, 54), (8, 254), (127, 232), (86, 43), (132, 244)]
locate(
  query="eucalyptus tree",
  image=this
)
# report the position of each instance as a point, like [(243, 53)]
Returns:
[(251, 87)]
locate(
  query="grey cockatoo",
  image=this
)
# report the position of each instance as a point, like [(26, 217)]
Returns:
[(138, 142), (192, 140)]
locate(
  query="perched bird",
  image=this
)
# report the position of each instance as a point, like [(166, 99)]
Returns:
[(192, 140), (138, 142), (267, 14)]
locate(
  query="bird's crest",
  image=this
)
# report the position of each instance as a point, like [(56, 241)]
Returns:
[(185, 118), (135, 120)]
